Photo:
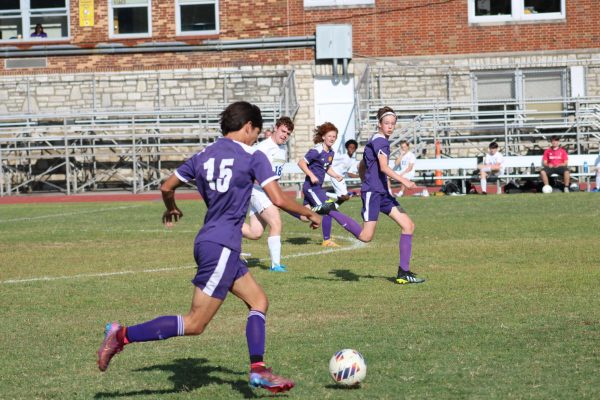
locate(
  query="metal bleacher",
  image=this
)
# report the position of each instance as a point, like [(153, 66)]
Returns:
[(104, 150), (109, 149)]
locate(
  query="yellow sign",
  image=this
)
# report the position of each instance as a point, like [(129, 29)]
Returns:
[(86, 12)]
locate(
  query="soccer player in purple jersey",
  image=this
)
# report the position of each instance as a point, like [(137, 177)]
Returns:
[(315, 164), (224, 173), (374, 171)]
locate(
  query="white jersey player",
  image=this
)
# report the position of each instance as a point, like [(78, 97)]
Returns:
[(493, 164), (262, 211), (345, 165), (405, 164)]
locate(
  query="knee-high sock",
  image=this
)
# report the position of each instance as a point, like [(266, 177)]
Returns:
[(346, 222), (255, 335), (274, 243), (326, 226), (405, 251), (483, 184), (157, 329)]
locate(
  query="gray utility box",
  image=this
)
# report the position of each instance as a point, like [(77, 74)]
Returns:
[(334, 41)]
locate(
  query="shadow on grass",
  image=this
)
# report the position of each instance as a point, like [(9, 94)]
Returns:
[(254, 262), (347, 276), (188, 374), (342, 387), (299, 240)]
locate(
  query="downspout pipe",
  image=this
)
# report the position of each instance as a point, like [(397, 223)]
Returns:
[(118, 48)]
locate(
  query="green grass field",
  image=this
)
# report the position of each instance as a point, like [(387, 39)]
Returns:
[(510, 308)]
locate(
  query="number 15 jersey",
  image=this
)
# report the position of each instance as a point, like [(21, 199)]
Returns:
[(224, 173)]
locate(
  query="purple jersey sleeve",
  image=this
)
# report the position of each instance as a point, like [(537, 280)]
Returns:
[(186, 172), (261, 168), (375, 180), (311, 155)]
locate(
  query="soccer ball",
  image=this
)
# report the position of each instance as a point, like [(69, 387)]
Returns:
[(547, 189), (347, 367)]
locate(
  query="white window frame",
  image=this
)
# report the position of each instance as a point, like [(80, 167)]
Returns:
[(337, 3), (518, 14), (25, 14), (111, 16), (178, 5), (519, 77)]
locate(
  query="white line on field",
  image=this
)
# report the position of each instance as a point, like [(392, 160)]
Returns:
[(356, 244), (68, 214)]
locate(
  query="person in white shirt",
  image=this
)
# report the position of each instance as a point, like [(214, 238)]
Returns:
[(345, 165), (405, 164), (262, 211), (493, 164), (597, 188)]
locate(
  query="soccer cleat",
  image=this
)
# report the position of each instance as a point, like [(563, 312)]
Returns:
[(342, 198), (264, 378), (110, 346), (325, 208), (278, 268), (329, 243), (408, 277)]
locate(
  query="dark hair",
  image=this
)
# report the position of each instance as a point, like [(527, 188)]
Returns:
[(321, 130), (493, 145), (237, 114), (287, 121), (384, 110), (404, 141), (349, 142), (554, 137)]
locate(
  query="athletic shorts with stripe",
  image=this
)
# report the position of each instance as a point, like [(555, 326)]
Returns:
[(218, 268), (314, 196), (376, 202)]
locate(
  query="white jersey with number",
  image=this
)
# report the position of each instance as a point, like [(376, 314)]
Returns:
[(277, 155), (407, 159)]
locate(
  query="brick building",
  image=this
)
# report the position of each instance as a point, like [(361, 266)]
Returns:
[(487, 55)]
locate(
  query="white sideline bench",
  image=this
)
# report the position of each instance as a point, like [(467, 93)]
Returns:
[(575, 161), (469, 164), (426, 164)]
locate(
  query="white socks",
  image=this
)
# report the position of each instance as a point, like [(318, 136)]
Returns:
[(275, 249), (483, 185)]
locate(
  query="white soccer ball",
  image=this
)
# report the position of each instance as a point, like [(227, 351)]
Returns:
[(347, 367), (547, 189)]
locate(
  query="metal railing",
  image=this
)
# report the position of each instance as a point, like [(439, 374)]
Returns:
[(465, 129)]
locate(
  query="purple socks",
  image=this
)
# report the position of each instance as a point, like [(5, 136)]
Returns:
[(346, 222), (255, 335), (405, 251), (157, 329), (326, 226)]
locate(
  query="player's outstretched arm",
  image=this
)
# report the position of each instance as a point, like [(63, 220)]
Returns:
[(278, 198), (172, 213)]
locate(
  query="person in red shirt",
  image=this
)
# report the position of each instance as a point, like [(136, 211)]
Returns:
[(555, 161)]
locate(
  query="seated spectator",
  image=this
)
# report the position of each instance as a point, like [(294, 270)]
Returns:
[(493, 164), (597, 163), (39, 32), (555, 161)]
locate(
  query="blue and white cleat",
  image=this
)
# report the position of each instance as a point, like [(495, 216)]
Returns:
[(278, 268)]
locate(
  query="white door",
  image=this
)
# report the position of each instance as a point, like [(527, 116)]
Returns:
[(335, 104)]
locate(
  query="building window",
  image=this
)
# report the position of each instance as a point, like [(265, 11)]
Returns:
[(130, 18), (197, 17), (522, 95), (337, 3), (19, 18), (481, 11)]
